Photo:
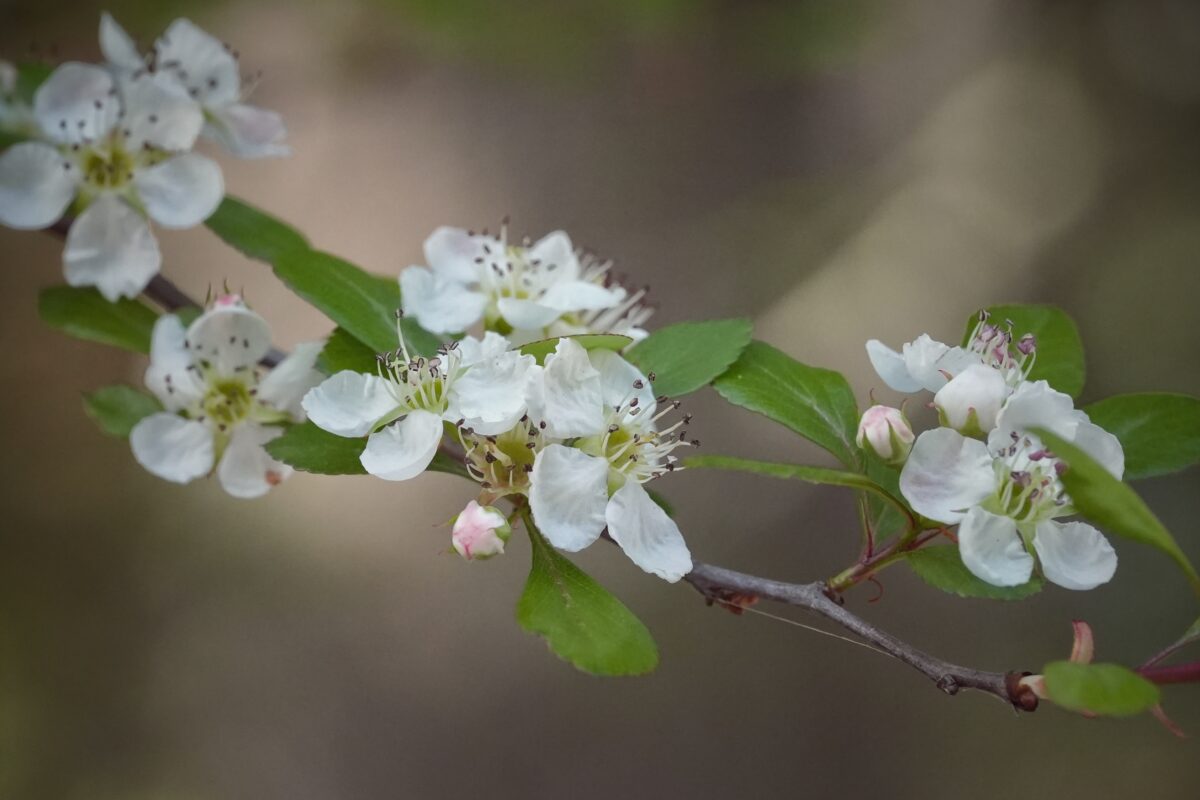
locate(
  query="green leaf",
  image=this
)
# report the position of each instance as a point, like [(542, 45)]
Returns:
[(361, 303), (1112, 504), (882, 514), (343, 351), (942, 568), (815, 403), (253, 232), (116, 409), (581, 621), (85, 314), (1108, 689), (1059, 348), (819, 475), (588, 341), (30, 76), (309, 449), (1159, 432), (662, 502), (8, 139), (690, 355)]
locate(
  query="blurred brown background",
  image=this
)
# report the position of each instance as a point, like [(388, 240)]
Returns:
[(838, 171)]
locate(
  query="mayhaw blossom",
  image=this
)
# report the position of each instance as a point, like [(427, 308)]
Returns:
[(477, 384), (972, 399), (604, 414), (113, 158), (205, 70), (526, 291), (1006, 494), (925, 363), (16, 116), (219, 410), (479, 532), (885, 432)]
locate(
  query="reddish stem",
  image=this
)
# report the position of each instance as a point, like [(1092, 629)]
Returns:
[(1174, 673)]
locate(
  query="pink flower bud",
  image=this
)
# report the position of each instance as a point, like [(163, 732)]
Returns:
[(479, 532), (884, 431)]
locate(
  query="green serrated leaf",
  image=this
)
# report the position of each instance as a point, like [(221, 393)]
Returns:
[(1108, 689), (307, 448), (342, 351), (690, 355), (85, 314), (116, 409), (1159, 432), (1112, 504), (579, 619), (253, 232), (1059, 348), (942, 568), (816, 403), (588, 341)]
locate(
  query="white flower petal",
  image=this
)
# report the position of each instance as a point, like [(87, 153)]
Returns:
[(473, 351), (230, 338), (490, 396), (201, 62), (451, 253), (249, 131), (349, 403), (992, 549), (77, 103), (246, 469), (173, 448), (118, 48), (890, 366), (110, 246), (618, 383), (977, 388), (35, 187), (156, 114), (403, 449), (929, 362), (1074, 555), (286, 384), (526, 314), (439, 304), (1101, 445), (566, 395), (946, 474), (169, 375), (568, 490), (580, 296), (1035, 405), (182, 191), (648, 536), (555, 253), (8, 77)]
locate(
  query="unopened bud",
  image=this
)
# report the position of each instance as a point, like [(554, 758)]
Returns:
[(884, 431), (479, 532)]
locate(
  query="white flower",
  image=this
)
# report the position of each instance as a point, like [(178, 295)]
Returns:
[(205, 70), (218, 411), (886, 432), (606, 410), (477, 384), (528, 291), (1006, 494), (479, 532), (971, 400), (119, 156), (925, 363)]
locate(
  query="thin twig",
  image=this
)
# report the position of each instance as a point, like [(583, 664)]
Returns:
[(719, 583)]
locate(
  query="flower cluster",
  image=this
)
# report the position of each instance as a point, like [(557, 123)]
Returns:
[(987, 471), (578, 436), (527, 291), (111, 146), (218, 410)]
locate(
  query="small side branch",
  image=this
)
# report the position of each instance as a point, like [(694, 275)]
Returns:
[(719, 583)]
